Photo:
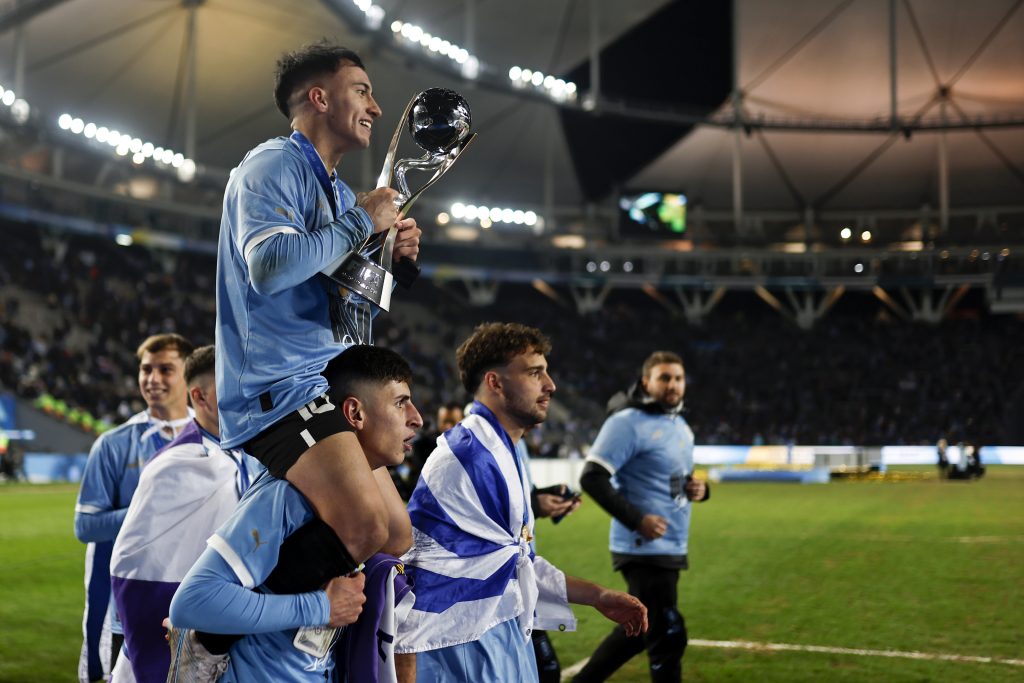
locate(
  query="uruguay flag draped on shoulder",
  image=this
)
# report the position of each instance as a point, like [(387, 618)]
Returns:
[(471, 562)]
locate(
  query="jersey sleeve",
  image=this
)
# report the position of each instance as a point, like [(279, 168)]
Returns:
[(210, 599), (615, 444), (250, 541), (96, 516), (265, 196)]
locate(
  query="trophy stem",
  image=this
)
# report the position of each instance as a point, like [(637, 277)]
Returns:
[(384, 179), (448, 162)]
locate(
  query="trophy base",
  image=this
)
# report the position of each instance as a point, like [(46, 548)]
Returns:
[(366, 278)]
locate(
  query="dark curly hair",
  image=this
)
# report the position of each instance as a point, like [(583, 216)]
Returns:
[(296, 69), (495, 344)]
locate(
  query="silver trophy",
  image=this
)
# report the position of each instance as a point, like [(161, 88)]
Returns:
[(439, 121)]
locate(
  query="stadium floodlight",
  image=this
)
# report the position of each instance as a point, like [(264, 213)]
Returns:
[(65, 121), (846, 233), (858, 268), (90, 130), (187, 171), (627, 266), (443, 218), (458, 210), (865, 236), (8, 97), (485, 222), (20, 110)]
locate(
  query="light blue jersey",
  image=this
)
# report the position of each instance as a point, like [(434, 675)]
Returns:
[(241, 555), (109, 481), (273, 344), (650, 456)]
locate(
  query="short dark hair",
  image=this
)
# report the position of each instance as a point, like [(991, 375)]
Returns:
[(296, 69), (659, 358), (363, 363), (199, 362), (162, 342), (495, 344)]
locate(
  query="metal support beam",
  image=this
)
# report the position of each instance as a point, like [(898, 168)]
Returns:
[(481, 292), (807, 309), (550, 133), (929, 306), (20, 13), (588, 298), (191, 101), (893, 67), (469, 40), (698, 303), (943, 173), (595, 52), (19, 61)]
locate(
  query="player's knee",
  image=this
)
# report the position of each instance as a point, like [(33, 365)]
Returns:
[(668, 642)]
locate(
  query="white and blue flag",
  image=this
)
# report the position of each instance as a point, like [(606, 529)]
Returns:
[(471, 562)]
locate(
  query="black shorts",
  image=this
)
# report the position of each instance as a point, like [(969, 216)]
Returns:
[(280, 445)]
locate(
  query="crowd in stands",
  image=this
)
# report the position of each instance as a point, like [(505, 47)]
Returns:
[(753, 377)]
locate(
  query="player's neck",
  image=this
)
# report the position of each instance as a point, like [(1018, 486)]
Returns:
[(324, 143), (213, 429), (168, 413), (511, 426)]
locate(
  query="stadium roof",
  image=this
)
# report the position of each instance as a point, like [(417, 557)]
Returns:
[(802, 64)]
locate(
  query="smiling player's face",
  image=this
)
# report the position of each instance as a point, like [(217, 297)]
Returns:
[(351, 109)]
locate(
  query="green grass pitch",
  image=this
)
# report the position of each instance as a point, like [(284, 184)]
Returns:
[(926, 566)]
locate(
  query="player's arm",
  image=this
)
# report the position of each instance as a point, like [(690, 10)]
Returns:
[(279, 250), (399, 527), (211, 598), (622, 608), (613, 448), (96, 517)]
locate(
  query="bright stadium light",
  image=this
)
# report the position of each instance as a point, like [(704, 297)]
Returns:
[(846, 233), (865, 236)]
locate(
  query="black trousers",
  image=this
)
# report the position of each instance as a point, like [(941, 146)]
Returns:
[(665, 640)]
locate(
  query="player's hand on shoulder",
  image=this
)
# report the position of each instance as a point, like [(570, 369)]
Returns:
[(623, 608), (380, 204), (345, 594), (407, 243)]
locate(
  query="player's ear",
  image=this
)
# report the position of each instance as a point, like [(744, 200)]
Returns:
[(492, 381), (317, 96), (195, 395), (354, 413)]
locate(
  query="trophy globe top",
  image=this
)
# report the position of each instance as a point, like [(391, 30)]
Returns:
[(439, 120)]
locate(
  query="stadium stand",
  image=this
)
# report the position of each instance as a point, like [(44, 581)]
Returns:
[(73, 310)]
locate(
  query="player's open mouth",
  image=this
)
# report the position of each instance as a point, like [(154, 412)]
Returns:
[(366, 124)]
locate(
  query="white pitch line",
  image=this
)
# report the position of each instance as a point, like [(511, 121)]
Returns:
[(747, 645)]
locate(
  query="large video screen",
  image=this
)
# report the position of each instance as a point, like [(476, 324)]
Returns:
[(652, 214)]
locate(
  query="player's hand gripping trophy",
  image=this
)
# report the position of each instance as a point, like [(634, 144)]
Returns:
[(439, 121)]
